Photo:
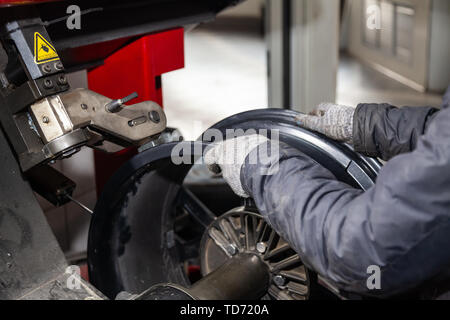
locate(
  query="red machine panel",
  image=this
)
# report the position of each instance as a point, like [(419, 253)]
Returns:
[(136, 67)]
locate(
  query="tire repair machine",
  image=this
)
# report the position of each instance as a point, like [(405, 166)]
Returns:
[(126, 47)]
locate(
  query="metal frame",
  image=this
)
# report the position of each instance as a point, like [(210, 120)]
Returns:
[(302, 52), (32, 265), (278, 28)]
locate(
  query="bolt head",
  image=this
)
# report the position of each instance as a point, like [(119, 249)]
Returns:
[(45, 119), (48, 84), (84, 106), (279, 280), (261, 247), (231, 249), (58, 65), (62, 80), (46, 68)]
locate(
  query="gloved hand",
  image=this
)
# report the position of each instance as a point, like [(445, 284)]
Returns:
[(230, 155), (332, 120)]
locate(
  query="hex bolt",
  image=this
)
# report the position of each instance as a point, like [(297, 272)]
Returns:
[(84, 106), (261, 247), (48, 84), (154, 116), (46, 68), (58, 65), (231, 249), (45, 119), (279, 280), (62, 80)]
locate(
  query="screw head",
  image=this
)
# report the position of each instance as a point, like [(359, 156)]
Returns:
[(46, 68), (62, 80), (261, 247), (58, 65), (279, 280), (45, 119), (231, 249), (84, 106), (48, 84)]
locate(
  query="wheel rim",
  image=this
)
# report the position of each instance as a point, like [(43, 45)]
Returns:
[(132, 249), (243, 232)]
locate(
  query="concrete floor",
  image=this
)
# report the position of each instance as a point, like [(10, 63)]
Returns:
[(226, 73)]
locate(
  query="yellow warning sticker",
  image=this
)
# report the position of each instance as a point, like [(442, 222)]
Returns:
[(43, 50)]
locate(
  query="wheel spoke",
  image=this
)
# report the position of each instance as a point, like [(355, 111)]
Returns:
[(196, 208), (297, 288), (229, 232), (250, 222), (278, 294), (278, 250), (286, 263), (297, 276), (272, 242), (222, 242), (265, 232)]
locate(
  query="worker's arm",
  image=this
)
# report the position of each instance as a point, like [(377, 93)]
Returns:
[(402, 224), (384, 131), (376, 130)]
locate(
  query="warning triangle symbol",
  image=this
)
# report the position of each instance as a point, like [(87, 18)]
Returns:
[(43, 50)]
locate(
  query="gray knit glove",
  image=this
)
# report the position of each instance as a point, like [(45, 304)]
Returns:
[(332, 120), (230, 155)]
